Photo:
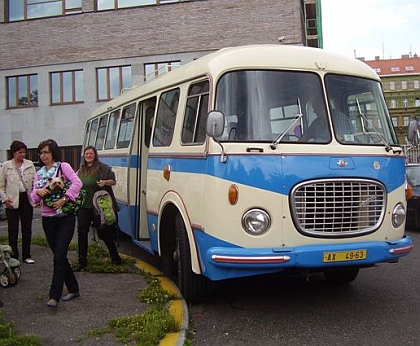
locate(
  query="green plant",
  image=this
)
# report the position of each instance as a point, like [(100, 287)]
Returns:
[(10, 337)]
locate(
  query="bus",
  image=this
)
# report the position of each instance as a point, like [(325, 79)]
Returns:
[(255, 160)]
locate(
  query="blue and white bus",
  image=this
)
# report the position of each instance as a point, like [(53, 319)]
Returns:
[(254, 160)]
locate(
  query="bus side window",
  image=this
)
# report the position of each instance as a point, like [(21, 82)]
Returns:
[(93, 131), (150, 111), (194, 126), (111, 134), (100, 138), (126, 126), (165, 118)]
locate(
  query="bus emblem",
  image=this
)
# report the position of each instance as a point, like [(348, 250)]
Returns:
[(342, 163)]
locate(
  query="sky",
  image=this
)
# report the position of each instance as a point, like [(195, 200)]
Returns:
[(370, 28)]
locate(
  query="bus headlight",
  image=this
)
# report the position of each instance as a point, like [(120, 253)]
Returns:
[(256, 221), (398, 215)]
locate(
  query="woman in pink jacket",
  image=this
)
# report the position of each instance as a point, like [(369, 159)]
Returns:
[(58, 226)]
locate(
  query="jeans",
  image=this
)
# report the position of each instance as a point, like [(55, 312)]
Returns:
[(24, 213), (59, 232)]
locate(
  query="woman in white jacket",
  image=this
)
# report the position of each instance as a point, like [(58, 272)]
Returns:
[(16, 179)]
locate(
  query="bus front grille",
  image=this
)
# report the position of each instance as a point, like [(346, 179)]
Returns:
[(338, 208)]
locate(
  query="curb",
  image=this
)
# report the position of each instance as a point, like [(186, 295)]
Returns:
[(177, 307)]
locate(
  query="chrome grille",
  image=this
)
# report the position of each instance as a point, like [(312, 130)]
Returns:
[(338, 208)]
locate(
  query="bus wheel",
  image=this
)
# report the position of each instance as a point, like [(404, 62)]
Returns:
[(342, 275), (193, 287)]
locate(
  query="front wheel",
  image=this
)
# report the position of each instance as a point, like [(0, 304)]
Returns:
[(341, 276), (193, 287), (4, 279)]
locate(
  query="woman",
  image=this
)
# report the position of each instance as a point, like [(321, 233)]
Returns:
[(94, 175), (16, 179), (58, 226)]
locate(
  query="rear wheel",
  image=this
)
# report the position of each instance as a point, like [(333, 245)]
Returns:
[(17, 272), (342, 275), (193, 287)]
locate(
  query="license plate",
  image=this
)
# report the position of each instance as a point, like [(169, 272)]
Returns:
[(343, 256)]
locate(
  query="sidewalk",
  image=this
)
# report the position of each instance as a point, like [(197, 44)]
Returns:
[(103, 297)]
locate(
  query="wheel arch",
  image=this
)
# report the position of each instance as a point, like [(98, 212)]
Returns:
[(171, 206)]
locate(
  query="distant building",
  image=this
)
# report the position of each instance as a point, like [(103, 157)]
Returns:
[(61, 59), (401, 85)]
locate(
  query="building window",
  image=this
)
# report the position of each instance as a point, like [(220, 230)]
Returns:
[(393, 104), (102, 5), (391, 85), (22, 91), (394, 121), (405, 103), (152, 71), (66, 87), (409, 68), (417, 102), (111, 80), (395, 69), (31, 9), (416, 84), (406, 120), (404, 85)]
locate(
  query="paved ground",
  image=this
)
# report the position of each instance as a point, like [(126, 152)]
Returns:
[(103, 297)]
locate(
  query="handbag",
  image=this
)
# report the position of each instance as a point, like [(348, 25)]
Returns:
[(71, 207)]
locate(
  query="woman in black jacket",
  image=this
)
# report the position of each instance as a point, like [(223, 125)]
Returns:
[(95, 176)]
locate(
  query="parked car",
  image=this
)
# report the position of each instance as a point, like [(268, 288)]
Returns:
[(412, 172)]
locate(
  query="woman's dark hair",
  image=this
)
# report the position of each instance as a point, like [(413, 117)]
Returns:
[(16, 146), (52, 147), (93, 170)]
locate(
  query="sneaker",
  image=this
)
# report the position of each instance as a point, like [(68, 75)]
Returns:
[(29, 261)]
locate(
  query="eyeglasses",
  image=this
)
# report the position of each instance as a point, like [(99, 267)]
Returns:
[(45, 152)]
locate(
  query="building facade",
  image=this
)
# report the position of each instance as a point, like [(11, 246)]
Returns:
[(401, 85), (61, 59)]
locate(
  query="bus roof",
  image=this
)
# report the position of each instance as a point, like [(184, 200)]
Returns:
[(248, 57)]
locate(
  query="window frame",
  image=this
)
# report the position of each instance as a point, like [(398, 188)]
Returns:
[(61, 88), (108, 80), (17, 104)]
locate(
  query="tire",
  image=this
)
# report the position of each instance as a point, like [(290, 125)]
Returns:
[(342, 275), (4, 279), (193, 287), (17, 272)]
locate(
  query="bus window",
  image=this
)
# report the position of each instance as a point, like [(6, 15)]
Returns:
[(111, 134), (150, 111), (93, 130), (165, 119), (126, 126), (193, 130), (103, 122)]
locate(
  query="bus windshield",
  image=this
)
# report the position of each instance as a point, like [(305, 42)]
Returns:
[(289, 106)]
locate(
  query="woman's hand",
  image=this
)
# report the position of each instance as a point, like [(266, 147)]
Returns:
[(60, 203), (8, 203), (42, 192)]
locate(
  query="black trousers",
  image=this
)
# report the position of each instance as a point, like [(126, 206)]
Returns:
[(59, 232), (24, 213), (85, 218)]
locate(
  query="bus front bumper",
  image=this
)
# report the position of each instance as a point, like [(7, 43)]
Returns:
[(230, 262)]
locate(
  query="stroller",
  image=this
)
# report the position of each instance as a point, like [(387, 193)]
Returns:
[(12, 272)]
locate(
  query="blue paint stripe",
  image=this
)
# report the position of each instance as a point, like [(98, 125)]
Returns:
[(278, 173)]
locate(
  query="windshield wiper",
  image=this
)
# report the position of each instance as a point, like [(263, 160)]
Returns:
[(281, 135), (388, 147)]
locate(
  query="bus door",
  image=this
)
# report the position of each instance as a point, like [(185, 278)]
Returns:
[(146, 116)]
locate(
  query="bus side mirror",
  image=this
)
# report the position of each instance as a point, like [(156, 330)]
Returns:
[(215, 124), (413, 134)]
